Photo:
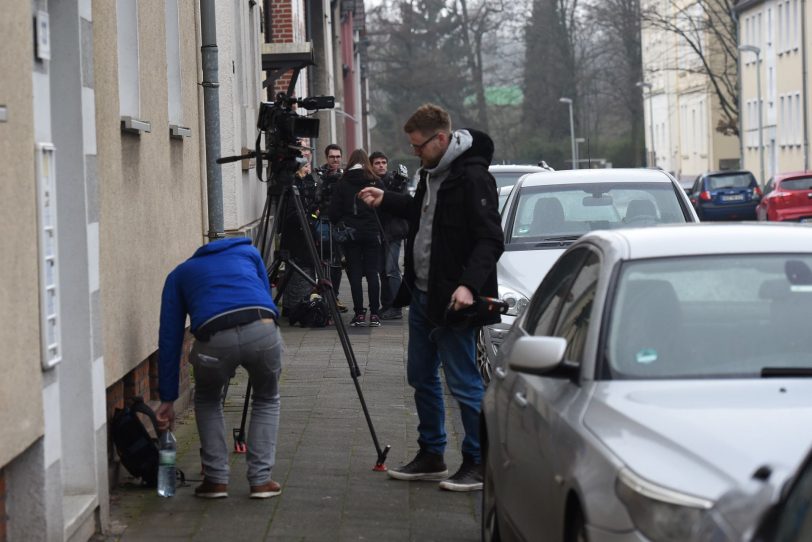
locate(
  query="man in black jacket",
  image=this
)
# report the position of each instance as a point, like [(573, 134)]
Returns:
[(455, 239), (395, 230)]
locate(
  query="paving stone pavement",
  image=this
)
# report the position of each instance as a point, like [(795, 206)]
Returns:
[(324, 458)]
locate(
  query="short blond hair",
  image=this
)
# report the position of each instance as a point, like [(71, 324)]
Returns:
[(428, 118)]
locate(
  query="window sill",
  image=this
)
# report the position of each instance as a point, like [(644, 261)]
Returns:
[(132, 125), (177, 131)]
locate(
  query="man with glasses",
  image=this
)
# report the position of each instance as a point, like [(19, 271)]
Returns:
[(330, 173), (454, 241)]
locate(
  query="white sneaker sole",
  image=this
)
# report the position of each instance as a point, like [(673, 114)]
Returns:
[(431, 476), (211, 495), (265, 494), (452, 486)]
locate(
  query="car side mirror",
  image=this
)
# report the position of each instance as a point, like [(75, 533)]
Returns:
[(689, 191), (536, 355)]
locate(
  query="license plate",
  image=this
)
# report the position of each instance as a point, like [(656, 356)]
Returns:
[(738, 197)]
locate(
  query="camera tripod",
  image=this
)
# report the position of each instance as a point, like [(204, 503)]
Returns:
[(280, 191)]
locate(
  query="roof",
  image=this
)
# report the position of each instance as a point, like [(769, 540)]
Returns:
[(580, 176), (704, 239)]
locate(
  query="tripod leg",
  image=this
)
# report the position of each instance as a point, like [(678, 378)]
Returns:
[(239, 433), (329, 296)]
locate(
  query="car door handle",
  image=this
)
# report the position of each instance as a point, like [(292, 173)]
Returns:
[(520, 398), (500, 373)]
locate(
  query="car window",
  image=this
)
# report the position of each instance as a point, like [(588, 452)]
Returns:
[(540, 213), (505, 178), (573, 322), (547, 299), (794, 521), (710, 316), (769, 186), (803, 183), (730, 180)]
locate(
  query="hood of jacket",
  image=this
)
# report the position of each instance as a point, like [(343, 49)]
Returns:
[(466, 146), (220, 245)]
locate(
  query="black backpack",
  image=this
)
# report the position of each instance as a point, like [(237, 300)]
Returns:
[(310, 313), (136, 448)]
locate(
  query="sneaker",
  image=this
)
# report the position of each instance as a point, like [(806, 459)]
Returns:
[(467, 478), (360, 319), (425, 466), (392, 314), (210, 490), (341, 306), (266, 491), (374, 321)]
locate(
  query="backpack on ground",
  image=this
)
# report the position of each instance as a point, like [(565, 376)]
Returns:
[(137, 449), (311, 312)]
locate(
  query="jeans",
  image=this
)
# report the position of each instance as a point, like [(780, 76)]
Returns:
[(390, 278), (257, 347), (363, 259), (455, 348)]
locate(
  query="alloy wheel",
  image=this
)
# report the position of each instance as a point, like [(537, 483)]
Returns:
[(482, 361)]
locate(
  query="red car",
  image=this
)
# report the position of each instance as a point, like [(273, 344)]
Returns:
[(787, 197)]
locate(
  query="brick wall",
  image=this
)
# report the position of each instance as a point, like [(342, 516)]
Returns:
[(281, 32), (143, 381), (3, 517)]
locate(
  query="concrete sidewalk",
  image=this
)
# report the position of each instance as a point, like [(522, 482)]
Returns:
[(324, 459)]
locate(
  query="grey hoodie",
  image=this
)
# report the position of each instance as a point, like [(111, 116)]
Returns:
[(461, 141)]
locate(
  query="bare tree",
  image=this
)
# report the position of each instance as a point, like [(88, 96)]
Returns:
[(706, 31)]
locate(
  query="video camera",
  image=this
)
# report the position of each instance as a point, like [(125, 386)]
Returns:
[(283, 125)]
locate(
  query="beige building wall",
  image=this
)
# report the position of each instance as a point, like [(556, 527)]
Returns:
[(151, 187), (21, 383)]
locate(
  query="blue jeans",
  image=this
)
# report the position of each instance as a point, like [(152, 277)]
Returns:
[(390, 278), (455, 348), (257, 347)]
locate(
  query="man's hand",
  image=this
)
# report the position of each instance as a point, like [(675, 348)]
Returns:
[(461, 298), (371, 196), (166, 415)]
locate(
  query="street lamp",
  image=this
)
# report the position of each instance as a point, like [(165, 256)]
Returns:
[(757, 52), (568, 101), (652, 159)]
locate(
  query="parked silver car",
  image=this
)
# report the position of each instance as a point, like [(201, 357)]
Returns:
[(654, 370), (547, 212)]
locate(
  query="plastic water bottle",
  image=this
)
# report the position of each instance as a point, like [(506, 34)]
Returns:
[(167, 453)]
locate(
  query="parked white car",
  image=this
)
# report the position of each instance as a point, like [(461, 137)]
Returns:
[(547, 212), (654, 370)]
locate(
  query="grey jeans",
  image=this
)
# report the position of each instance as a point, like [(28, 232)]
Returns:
[(257, 347)]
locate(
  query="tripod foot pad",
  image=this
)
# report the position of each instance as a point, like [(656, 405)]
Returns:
[(239, 442), (379, 467)]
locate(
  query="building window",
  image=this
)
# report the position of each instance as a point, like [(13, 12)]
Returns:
[(173, 77), (782, 136), (129, 92)]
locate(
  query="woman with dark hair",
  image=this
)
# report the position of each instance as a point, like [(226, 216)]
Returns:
[(363, 247)]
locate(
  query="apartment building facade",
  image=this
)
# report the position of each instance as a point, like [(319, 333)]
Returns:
[(106, 137), (774, 37), (681, 107)]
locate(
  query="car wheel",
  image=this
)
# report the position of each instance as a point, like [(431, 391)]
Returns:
[(576, 530), (490, 514), (482, 361)]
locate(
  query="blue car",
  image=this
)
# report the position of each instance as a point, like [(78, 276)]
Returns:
[(725, 195)]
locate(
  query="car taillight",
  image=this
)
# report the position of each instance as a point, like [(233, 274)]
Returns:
[(757, 192), (705, 196)]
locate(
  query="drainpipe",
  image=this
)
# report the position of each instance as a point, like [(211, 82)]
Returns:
[(803, 84), (211, 109), (739, 88)]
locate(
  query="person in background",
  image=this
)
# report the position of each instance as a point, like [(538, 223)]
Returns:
[(455, 239), (364, 246), (329, 174), (395, 230), (224, 290)]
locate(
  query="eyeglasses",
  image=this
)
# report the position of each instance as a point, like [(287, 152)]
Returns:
[(334, 157), (418, 148)]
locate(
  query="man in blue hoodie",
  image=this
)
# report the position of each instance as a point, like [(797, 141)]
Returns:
[(224, 289)]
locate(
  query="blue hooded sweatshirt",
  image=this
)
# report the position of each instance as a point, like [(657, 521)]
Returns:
[(222, 276)]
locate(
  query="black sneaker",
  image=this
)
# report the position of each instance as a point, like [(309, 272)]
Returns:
[(374, 321), (391, 314), (425, 466), (467, 478), (360, 319)]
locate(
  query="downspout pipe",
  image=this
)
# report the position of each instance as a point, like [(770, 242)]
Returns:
[(804, 85), (739, 88), (211, 110)]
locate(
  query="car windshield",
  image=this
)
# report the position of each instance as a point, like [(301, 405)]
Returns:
[(554, 212), (732, 180), (504, 192), (713, 316), (803, 183)]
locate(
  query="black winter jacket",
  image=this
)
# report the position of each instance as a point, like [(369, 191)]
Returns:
[(466, 237), (347, 208)]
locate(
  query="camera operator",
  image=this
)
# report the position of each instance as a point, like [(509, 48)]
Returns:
[(329, 174), (395, 230)]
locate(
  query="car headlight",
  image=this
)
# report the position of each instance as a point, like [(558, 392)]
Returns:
[(660, 513), (516, 302)]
